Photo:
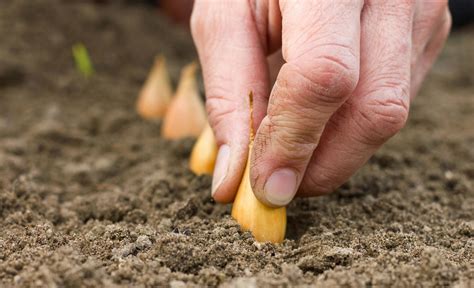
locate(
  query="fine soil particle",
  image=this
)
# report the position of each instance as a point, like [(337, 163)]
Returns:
[(90, 195)]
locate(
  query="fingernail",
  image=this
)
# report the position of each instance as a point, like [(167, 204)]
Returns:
[(281, 187), (221, 167)]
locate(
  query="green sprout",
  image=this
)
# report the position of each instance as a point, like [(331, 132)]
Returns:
[(82, 60)]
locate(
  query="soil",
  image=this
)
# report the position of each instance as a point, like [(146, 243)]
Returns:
[(90, 195)]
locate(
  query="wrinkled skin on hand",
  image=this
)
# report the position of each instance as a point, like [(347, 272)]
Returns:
[(343, 86)]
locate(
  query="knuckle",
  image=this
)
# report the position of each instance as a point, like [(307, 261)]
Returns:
[(293, 139), (196, 23), (382, 119), (448, 21), (219, 108), (204, 22), (294, 112), (328, 82), (337, 75)]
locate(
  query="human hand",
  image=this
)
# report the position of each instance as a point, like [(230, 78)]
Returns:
[(351, 68)]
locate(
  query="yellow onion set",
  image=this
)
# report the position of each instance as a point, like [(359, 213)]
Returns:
[(183, 115)]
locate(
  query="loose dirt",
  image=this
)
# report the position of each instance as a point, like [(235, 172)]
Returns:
[(90, 195)]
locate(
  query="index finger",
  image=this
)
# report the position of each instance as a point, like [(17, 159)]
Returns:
[(320, 44)]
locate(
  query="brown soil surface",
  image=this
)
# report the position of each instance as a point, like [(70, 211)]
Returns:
[(90, 195)]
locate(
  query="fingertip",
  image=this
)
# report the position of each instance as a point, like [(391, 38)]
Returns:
[(230, 164), (278, 189), (224, 198), (273, 185)]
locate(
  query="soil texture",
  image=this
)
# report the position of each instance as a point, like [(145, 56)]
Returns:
[(90, 195)]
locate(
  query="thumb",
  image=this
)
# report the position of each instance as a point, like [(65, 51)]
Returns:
[(233, 63)]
